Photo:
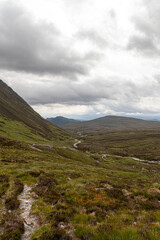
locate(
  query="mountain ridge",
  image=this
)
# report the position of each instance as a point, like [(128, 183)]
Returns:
[(114, 123)]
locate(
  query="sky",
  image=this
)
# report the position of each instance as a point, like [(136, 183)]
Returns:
[(83, 59)]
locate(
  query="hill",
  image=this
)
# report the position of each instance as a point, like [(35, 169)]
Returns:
[(19, 121), (114, 123), (61, 121)]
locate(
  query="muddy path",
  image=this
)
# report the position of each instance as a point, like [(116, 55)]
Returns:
[(31, 222)]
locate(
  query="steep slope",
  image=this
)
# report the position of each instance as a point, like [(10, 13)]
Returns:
[(114, 123), (19, 120), (62, 121)]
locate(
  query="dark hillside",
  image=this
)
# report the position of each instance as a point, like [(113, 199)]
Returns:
[(14, 108), (61, 121), (114, 123)]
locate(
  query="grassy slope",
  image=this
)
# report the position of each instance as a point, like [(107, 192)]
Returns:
[(109, 199), (19, 121), (19, 131)]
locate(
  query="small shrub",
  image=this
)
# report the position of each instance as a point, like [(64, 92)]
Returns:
[(84, 232), (11, 201), (4, 184), (46, 188), (13, 227)]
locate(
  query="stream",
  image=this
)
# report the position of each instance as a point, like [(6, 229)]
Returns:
[(76, 143), (109, 155), (30, 221), (134, 158)]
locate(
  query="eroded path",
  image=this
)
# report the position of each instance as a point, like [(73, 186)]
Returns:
[(31, 222)]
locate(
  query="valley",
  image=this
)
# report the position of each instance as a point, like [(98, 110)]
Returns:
[(68, 184), (143, 144), (79, 120)]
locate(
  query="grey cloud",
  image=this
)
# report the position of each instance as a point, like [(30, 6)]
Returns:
[(111, 93), (96, 91), (36, 47), (105, 94), (147, 37), (86, 93), (112, 14), (143, 25), (93, 37), (143, 44)]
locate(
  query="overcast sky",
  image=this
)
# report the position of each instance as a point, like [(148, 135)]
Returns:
[(83, 58)]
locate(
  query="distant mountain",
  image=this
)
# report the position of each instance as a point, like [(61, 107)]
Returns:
[(114, 123), (19, 121), (62, 121)]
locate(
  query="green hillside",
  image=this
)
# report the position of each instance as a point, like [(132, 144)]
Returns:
[(19, 121)]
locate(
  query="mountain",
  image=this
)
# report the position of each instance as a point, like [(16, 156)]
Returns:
[(19, 121), (114, 123), (61, 121)]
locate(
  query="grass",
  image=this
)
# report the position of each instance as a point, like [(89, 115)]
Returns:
[(92, 198)]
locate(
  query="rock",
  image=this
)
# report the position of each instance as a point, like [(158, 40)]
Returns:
[(93, 214), (126, 193), (154, 191), (61, 225), (28, 221), (108, 186), (140, 198), (34, 195)]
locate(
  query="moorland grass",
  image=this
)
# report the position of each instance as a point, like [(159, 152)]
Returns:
[(92, 198)]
